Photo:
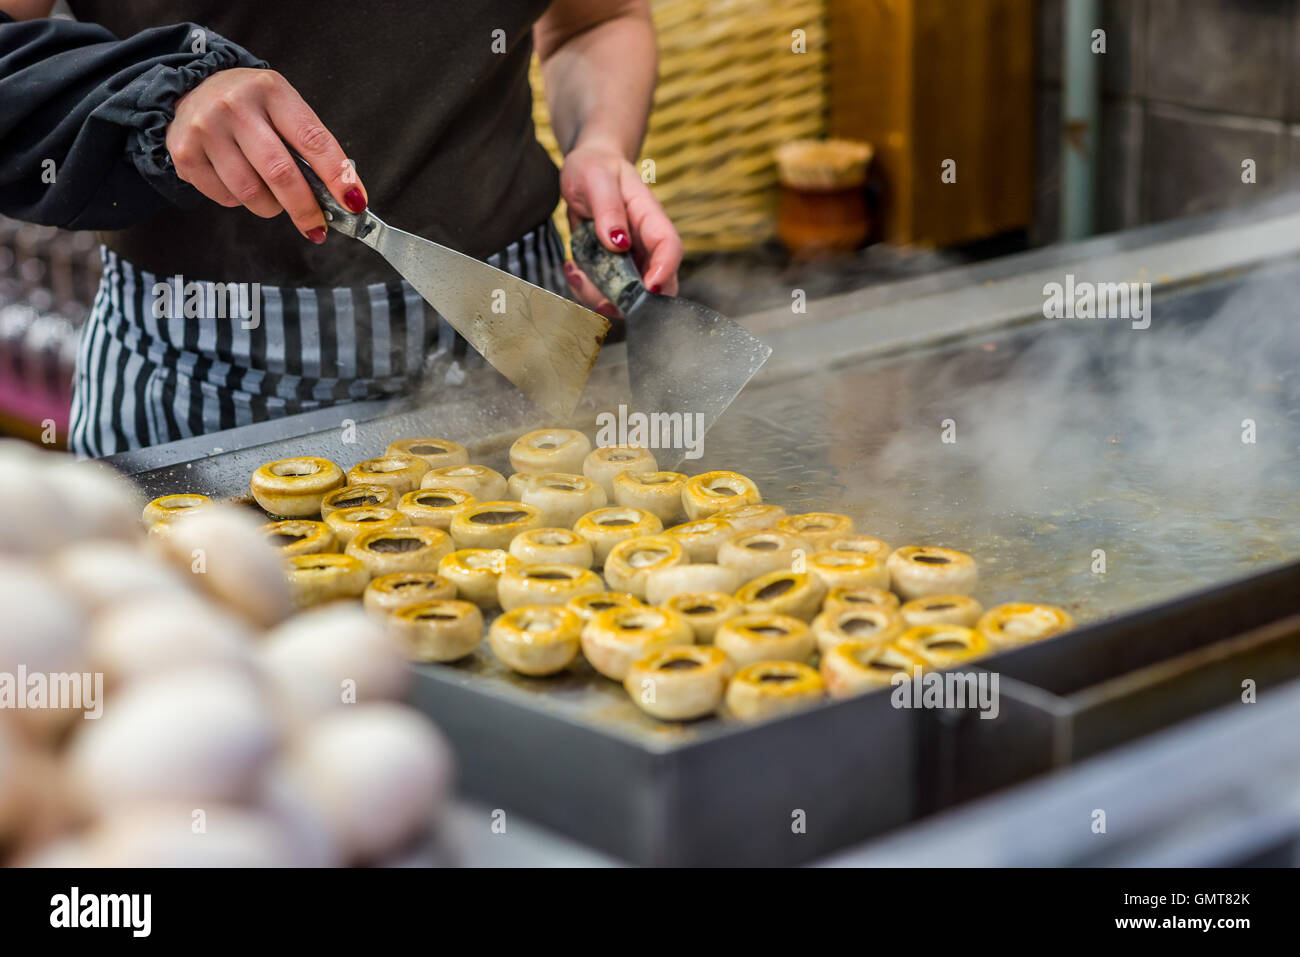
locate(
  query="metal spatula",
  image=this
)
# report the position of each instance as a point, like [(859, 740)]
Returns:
[(682, 357), (543, 343)]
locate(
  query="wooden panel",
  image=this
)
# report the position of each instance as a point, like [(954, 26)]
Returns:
[(870, 94), (931, 80)]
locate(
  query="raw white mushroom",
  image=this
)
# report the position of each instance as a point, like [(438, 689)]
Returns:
[(102, 573), (146, 636), (330, 656), (93, 501), (32, 503), (39, 627), (227, 555), (285, 798), (379, 773), (184, 835), (194, 735)]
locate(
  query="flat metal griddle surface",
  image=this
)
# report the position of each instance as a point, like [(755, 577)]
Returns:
[(1069, 439)]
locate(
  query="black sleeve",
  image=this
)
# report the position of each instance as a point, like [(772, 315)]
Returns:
[(98, 107)]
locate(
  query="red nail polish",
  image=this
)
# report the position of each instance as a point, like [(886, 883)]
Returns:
[(606, 310), (655, 288), (354, 200), (316, 235), (570, 269), (619, 238)]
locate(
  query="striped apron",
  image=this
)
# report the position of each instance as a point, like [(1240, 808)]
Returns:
[(144, 378)]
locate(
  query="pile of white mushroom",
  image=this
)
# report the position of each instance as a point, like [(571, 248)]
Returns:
[(737, 603), (224, 731)]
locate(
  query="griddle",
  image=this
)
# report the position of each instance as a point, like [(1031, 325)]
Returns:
[(1200, 533)]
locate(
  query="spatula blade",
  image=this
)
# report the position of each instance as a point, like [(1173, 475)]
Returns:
[(684, 358), (541, 342)]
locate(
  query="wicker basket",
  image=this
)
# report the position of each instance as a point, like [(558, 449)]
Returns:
[(730, 91)]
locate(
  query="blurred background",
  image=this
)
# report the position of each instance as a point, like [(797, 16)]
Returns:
[(961, 132)]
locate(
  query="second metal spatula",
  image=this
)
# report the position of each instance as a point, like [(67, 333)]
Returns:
[(543, 343), (682, 357)]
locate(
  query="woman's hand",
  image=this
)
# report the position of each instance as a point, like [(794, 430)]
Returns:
[(228, 139), (599, 183)]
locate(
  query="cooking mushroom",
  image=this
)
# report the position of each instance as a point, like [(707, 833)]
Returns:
[(704, 611), (942, 610), (476, 573), (493, 524), (549, 450), (554, 546), (755, 553), (536, 640), (522, 584), (818, 529), (293, 488), (703, 537), (603, 464), (679, 683), (619, 636), (392, 592), (629, 563), (446, 630), (298, 536), (357, 496), (918, 571), (796, 594), (435, 453), (835, 626), (562, 499), (402, 473), (414, 548), (348, 523), (606, 527), (769, 689), (659, 493), (1019, 623), (759, 636), (483, 483), (856, 667), (663, 583), (707, 494), (433, 506)]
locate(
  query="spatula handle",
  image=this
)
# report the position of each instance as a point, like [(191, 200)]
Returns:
[(614, 274), (344, 220)]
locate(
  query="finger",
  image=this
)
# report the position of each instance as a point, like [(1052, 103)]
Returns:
[(275, 165), (585, 291), (194, 167), (300, 127), (600, 199), (656, 236), (241, 179)]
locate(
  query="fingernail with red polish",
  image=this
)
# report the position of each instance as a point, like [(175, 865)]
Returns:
[(606, 310), (619, 238), (354, 200), (316, 235), (655, 288), (570, 270)]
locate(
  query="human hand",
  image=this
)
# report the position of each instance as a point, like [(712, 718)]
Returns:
[(599, 183), (228, 140)]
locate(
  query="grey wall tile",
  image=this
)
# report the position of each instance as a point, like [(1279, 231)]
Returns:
[(1192, 160), (1119, 172), (1229, 55)]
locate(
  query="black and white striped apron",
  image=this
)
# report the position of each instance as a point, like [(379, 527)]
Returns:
[(143, 380)]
